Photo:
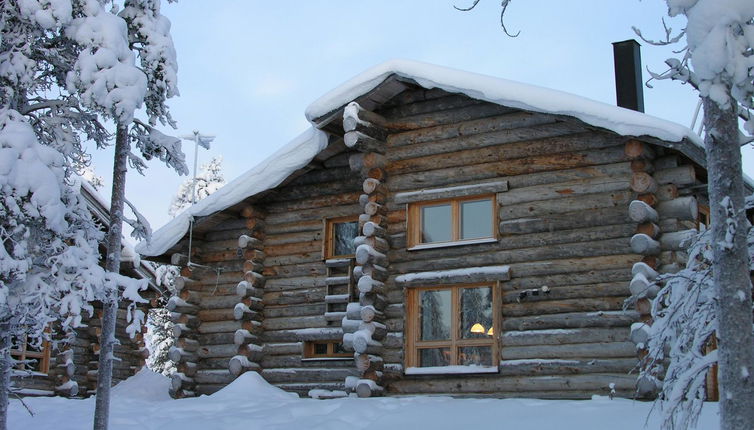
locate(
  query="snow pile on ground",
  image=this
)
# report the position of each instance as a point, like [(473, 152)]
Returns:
[(250, 403)]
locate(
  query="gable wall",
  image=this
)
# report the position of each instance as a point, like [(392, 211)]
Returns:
[(564, 224)]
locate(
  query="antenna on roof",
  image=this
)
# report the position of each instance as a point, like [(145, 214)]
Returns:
[(204, 141)]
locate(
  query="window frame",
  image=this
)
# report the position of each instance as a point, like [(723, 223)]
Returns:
[(413, 343), (310, 354), (22, 353), (328, 241), (414, 222)]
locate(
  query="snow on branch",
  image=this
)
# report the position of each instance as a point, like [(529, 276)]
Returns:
[(141, 228), (153, 143)]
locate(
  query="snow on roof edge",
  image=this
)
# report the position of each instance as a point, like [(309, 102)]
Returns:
[(266, 175), (505, 92)]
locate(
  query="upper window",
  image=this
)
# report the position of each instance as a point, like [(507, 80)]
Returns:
[(452, 326), (339, 236), (451, 221)]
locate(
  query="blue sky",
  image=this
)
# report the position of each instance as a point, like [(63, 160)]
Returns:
[(248, 69)]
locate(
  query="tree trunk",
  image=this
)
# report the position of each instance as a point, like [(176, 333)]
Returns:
[(5, 371), (731, 267), (112, 264)]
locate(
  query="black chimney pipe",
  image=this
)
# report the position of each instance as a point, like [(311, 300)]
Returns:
[(628, 85)]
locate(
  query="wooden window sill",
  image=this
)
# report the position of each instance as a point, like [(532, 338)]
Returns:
[(449, 244), (451, 370)]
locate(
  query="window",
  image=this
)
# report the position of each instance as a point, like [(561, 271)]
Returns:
[(325, 349), (339, 235), (31, 358), (452, 326), (454, 221)]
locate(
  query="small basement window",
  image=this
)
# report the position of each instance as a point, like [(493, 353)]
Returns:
[(339, 236), (453, 326), (452, 221), (325, 349)]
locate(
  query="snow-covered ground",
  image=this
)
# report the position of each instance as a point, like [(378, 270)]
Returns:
[(249, 403)]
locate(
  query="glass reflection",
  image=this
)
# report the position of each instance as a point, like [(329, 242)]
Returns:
[(435, 314)]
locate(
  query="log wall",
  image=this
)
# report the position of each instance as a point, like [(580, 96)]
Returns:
[(564, 232)]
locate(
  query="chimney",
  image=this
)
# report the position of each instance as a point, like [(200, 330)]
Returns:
[(628, 85)]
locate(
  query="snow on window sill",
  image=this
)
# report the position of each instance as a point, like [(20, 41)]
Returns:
[(450, 370), (449, 244)]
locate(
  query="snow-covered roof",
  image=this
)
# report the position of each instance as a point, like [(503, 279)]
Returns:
[(266, 175), (301, 150), (504, 92)]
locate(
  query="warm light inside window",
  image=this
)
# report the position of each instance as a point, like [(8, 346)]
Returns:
[(477, 328)]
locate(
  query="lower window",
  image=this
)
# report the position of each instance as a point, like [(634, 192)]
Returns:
[(325, 349), (452, 326), (31, 358)]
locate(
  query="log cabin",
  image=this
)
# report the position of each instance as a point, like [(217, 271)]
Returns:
[(437, 232), (67, 365)]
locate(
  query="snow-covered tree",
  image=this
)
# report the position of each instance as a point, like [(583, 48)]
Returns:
[(159, 337), (208, 180), (66, 65), (684, 321), (49, 267), (718, 60)]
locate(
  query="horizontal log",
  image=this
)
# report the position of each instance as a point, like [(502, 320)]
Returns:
[(573, 350), (642, 212), (539, 367), (506, 121), (563, 189), (451, 192), (572, 320), (642, 182), (229, 327), (545, 307), (682, 175), (591, 383), (240, 363), (564, 336), (682, 208), (643, 244), (363, 143), (677, 240)]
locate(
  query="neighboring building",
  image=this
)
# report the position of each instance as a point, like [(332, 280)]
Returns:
[(436, 232), (70, 368)]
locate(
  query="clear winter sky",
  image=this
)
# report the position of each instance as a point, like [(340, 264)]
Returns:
[(248, 68)]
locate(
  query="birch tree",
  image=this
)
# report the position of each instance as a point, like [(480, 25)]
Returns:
[(718, 60)]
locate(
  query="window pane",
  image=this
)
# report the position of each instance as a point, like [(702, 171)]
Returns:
[(344, 233), (320, 348), (436, 224), (435, 314), (475, 355), (476, 219), (434, 357), (476, 312)]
